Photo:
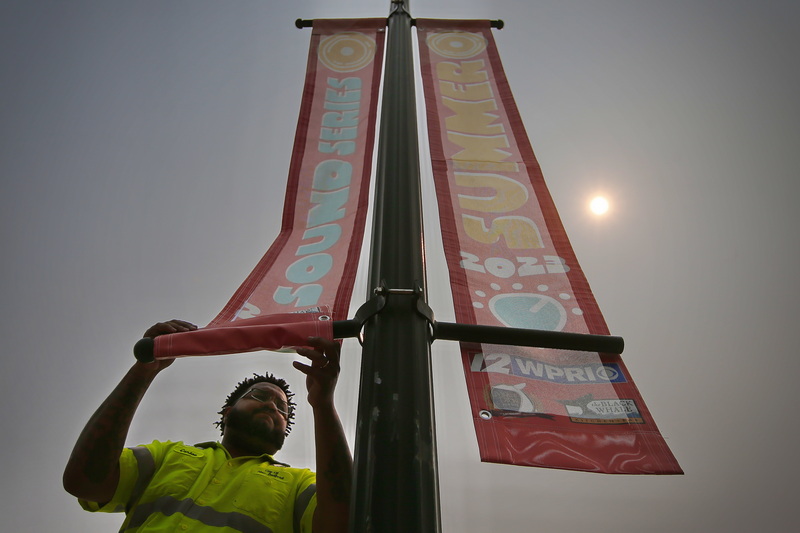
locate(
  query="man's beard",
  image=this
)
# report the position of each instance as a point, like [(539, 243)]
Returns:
[(251, 424)]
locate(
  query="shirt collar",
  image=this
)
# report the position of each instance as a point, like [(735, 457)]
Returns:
[(218, 445)]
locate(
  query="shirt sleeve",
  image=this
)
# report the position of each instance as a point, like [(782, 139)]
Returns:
[(127, 478), (136, 468)]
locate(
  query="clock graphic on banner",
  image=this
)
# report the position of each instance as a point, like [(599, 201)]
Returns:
[(527, 310)]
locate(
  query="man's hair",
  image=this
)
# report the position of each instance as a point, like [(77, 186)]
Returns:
[(245, 386)]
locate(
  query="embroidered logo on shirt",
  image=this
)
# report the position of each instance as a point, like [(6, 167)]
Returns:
[(191, 452), (272, 474)]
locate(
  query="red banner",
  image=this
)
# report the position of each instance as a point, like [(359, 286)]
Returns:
[(312, 264), (511, 264)]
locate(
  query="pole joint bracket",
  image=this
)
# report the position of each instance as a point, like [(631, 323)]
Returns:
[(354, 327), (422, 307)]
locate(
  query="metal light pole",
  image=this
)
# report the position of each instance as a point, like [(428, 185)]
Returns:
[(396, 487)]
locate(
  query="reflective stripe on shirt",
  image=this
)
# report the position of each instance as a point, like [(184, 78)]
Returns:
[(147, 467), (168, 506), (301, 504)]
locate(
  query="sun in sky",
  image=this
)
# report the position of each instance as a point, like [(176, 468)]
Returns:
[(599, 205)]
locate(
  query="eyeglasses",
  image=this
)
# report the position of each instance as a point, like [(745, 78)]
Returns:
[(263, 396)]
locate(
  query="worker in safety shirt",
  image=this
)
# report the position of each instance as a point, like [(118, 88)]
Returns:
[(227, 486)]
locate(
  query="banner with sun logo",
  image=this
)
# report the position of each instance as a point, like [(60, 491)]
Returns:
[(511, 264), (306, 277), (313, 261)]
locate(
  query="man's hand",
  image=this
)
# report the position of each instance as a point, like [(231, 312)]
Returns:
[(164, 328), (170, 326), (322, 374)]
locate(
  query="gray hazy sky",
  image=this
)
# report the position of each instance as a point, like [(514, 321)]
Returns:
[(144, 148)]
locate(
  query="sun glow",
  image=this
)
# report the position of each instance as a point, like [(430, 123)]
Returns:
[(599, 205)]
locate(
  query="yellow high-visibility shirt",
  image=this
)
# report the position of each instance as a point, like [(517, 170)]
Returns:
[(170, 486)]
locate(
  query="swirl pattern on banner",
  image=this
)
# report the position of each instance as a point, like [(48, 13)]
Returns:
[(346, 52)]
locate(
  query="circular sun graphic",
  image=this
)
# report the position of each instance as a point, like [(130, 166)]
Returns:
[(346, 52), (457, 45)]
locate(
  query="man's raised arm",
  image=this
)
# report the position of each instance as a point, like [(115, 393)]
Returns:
[(334, 462), (92, 472)]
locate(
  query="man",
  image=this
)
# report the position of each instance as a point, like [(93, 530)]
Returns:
[(234, 484)]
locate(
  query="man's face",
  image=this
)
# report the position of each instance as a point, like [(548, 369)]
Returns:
[(257, 415)]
